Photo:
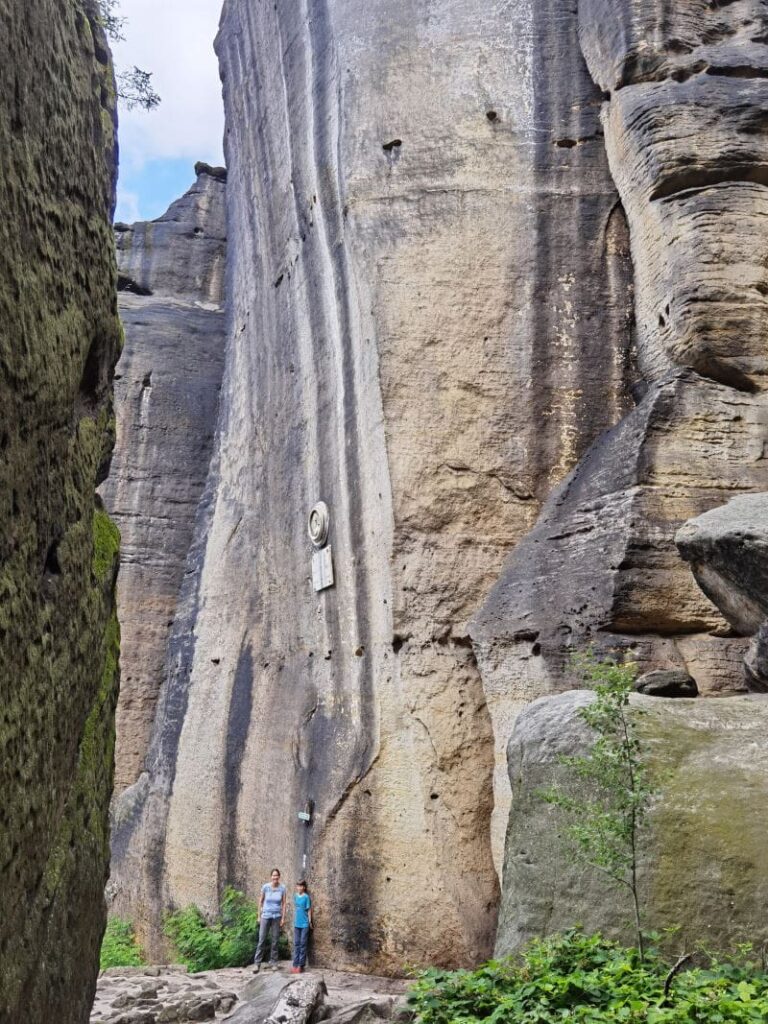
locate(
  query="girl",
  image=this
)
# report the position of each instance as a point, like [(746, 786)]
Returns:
[(302, 922)]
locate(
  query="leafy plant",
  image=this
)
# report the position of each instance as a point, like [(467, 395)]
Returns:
[(585, 979), (229, 941), (134, 87), (606, 825), (119, 947)]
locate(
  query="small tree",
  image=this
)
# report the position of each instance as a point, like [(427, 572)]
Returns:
[(134, 87), (606, 826)]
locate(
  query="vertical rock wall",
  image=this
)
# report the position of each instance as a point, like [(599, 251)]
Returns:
[(430, 322), (171, 280), (684, 115), (59, 338)]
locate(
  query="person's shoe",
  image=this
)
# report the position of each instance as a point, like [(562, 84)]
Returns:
[(295, 970), (256, 968)]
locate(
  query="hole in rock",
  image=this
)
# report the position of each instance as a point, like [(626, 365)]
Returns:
[(215, 661), (433, 796), (147, 382), (536, 650), (127, 284), (565, 143), (52, 564), (491, 115), (393, 144), (279, 280)]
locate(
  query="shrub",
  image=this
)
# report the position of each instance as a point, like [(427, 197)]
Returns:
[(229, 941), (585, 979), (607, 823), (119, 947)]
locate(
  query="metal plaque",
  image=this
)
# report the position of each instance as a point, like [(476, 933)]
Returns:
[(303, 816), (322, 569)]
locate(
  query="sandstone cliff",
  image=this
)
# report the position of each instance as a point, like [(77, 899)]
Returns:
[(444, 325), (59, 338), (422, 222), (684, 116), (171, 281)]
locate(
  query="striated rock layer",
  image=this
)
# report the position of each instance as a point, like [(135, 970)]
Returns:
[(703, 859), (171, 280), (430, 323), (59, 338), (684, 116)]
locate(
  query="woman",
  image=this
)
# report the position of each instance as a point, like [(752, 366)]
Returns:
[(272, 919)]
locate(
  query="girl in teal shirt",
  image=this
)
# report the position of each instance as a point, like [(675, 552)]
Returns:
[(302, 922)]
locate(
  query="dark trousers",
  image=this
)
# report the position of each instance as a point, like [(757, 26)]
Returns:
[(271, 925), (300, 937)]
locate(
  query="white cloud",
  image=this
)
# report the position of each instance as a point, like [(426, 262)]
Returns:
[(128, 207), (174, 40)]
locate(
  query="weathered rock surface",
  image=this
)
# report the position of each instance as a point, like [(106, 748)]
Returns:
[(59, 338), (685, 124), (171, 279), (667, 683), (704, 860), (413, 241), (168, 995)]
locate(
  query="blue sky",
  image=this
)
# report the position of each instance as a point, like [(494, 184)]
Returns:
[(158, 149)]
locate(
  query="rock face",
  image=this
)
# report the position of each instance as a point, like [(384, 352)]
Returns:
[(59, 338), (704, 862), (432, 331), (171, 280), (684, 116), (413, 240)]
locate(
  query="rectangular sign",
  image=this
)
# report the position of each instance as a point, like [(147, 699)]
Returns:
[(322, 569), (303, 816)]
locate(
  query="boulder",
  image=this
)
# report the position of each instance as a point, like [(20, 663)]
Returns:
[(704, 860), (667, 683), (727, 548)]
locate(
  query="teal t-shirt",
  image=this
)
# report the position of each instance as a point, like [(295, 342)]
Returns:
[(301, 904)]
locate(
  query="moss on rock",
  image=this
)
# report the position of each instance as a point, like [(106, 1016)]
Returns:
[(59, 339)]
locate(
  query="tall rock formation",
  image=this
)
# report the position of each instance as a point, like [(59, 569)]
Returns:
[(684, 116), (430, 322), (59, 338), (171, 281), (432, 332)]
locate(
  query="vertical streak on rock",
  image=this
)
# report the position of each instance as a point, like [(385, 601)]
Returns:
[(383, 192)]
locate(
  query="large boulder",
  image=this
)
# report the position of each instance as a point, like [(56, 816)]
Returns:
[(59, 338), (704, 860)]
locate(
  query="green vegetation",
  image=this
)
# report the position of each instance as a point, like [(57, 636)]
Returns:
[(119, 947), (230, 941), (134, 87), (606, 826), (106, 545), (588, 980)]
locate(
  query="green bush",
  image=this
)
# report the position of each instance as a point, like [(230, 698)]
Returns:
[(585, 979), (119, 947), (229, 941)]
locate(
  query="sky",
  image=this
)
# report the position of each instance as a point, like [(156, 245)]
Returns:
[(158, 149)]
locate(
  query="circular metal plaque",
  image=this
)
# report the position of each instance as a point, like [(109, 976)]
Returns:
[(319, 524)]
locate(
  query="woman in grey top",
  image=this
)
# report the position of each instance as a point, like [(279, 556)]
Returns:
[(272, 919)]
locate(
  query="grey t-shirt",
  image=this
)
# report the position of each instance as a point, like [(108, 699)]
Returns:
[(273, 901)]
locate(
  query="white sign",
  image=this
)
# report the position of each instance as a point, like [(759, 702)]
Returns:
[(322, 569), (303, 816)]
